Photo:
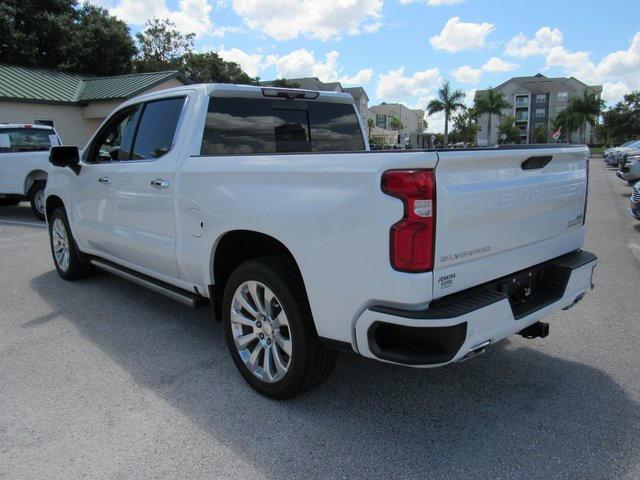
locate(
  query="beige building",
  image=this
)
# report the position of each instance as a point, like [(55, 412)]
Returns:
[(412, 124), (73, 104), (535, 102)]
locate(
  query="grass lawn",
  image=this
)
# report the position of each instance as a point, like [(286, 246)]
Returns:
[(597, 151)]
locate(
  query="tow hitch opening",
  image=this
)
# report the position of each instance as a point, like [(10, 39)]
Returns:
[(537, 330)]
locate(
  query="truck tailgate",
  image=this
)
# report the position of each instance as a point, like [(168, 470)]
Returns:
[(500, 211)]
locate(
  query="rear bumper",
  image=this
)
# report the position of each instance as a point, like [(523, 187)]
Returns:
[(454, 327)]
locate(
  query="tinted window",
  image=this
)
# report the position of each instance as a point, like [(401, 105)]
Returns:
[(157, 128), (249, 125), (26, 139), (114, 140)]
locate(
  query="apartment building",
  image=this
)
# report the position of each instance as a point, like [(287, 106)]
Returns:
[(535, 102), (412, 123)]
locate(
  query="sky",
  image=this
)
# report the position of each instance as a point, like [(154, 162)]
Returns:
[(401, 50)]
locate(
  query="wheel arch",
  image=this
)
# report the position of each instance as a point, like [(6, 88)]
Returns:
[(52, 202), (33, 177), (237, 246)]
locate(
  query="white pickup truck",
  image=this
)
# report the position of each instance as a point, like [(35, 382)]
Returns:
[(265, 204), (24, 161)]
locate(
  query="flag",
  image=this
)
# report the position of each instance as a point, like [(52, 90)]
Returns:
[(556, 135)]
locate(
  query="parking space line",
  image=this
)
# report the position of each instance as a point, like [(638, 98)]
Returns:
[(18, 222)]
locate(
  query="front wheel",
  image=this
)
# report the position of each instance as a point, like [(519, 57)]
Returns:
[(36, 198), (70, 263), (270, 332)]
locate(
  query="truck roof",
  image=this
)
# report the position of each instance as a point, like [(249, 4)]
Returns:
[(249, 91)]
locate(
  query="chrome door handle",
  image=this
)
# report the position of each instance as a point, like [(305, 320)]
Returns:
[(160, 183), (104, 180)]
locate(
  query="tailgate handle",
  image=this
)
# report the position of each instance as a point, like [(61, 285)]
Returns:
[(536, 163)]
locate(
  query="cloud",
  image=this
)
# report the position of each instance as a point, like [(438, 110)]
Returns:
[(287, 19), (435, 3), (394, 85), (495, 64), (192, 16), (252, 63), (543, 41), (363, 76), (457, 36), (618, 72), (466, 74), (302, 63)]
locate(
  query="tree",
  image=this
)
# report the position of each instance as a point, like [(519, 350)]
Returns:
[(370, 125), (449, 102), (395, 123), (622, 121), (284, 83), (161, 46), (209, 67), (567, 122), (585, 109), (507, 128), (102, 44), (465, 127), (540, 134), (35, 33), (492, 102)]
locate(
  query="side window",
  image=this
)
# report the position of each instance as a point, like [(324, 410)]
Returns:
[(335, 127), (157, 128), (114, 140)]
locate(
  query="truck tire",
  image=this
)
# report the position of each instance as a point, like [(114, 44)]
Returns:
[(36, 197), (270, 331), (70, 263)]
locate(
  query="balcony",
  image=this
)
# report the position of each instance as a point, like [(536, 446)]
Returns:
[(522, 102)]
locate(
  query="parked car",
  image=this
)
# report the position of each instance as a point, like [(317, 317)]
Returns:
[(630, 167), (24, 161), (266, 204), (613, 156), (635, 201)]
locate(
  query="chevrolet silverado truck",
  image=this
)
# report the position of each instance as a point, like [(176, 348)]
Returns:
[(24, 161), (266, 205)]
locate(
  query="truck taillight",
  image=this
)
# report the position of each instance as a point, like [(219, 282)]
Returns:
[(412, 239)]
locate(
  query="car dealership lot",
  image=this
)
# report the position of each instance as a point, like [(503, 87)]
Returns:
[(105, 379)]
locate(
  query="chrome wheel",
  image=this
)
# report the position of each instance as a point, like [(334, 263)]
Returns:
[(261, 331), (38, 200), (60, 243)]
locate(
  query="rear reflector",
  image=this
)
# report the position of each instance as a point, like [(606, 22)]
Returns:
[(412, 239)]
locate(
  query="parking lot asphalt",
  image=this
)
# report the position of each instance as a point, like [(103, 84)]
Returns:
[(104, 379)]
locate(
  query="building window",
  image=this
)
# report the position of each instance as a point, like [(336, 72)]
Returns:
[(381, 121), (522, 101), (563, 96), (541, 98), (522, 116), (540, 113)]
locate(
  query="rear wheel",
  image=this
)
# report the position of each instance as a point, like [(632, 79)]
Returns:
[(270, 332), (36, 197), (70, 263)]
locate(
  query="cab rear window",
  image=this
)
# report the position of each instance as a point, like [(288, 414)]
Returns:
[(253, 125), (26, 139)]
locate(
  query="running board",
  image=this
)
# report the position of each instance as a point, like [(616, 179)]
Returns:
[(190, 299)]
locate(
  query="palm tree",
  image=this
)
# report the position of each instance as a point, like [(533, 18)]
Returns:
[(395, 123), (371, 125), (585, 110), (447, 101), (491, 103)]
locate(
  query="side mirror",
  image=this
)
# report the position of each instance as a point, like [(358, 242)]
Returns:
[(65, 156)]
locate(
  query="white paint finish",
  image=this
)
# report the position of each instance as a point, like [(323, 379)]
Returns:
[(327, 209), (494, 218), (492, 323)]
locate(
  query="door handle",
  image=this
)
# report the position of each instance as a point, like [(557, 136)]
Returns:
[(104, 180), (160, 183)]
